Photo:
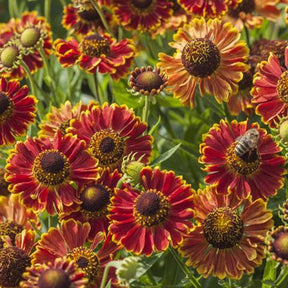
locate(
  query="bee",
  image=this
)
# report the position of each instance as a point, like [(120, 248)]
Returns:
[(247, 142)]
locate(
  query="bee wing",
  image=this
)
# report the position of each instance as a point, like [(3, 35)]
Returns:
[(252, 142), (239, 137)]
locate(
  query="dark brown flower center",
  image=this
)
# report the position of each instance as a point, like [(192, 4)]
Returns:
[(151, 208), (95, 46), (10, 229), (52, 162), (223, 228), (247, 81), (246, 6), (87, 260), (201, 57), (13, 262), (30, 36), (108, 147), (6, 107), (3, 184), (141, 4), (9, 55), (280, 244), (244, 165), (56, 278), (82, 262), (282, 87), (95, 198), (51, 167), (89, 15)]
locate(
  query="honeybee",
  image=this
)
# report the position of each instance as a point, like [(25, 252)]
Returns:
[(247, 142)]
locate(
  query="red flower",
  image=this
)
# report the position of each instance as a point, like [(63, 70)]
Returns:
[(208, 8), (83, 20), (45, 172), (270, 90), (149, 220), (258, 172), (28, 25), (95, 197), (62, 272), (112, 132), (71, 241), (97, 53), (142, 15), (17, 110)]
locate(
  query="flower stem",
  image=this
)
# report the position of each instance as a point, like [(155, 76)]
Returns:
[(97, 95), (145, 111), (101, 15), (105, 274), (32, 85), (247, 35), (194, 282), (47, 10), (49, 77), (13, 8), (29, 76)]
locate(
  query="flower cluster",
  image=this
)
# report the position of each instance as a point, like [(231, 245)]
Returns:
[(143, 143)]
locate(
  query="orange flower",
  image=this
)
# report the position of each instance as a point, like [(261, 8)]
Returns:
[(228, 240), (252, 13), (59, 118), (208, 54)]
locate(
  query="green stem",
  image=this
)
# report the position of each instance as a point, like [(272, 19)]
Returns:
[(13, 8), (49, 76), (101, 15), (247, 35), (47, 10), (282, 278), (35, 228), (194, 282), (97, 95), (30, 78), (33, 85), (105, 274), (145, 111)]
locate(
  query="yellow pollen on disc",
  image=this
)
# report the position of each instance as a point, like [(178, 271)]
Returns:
[(95, 46), (151, 208), (201, 57), (282, 87), (6, 107), (244, 165), (223, 228)]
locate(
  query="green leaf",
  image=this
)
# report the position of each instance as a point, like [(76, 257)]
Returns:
[(166, 155), (269, 274), (108, 285)]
